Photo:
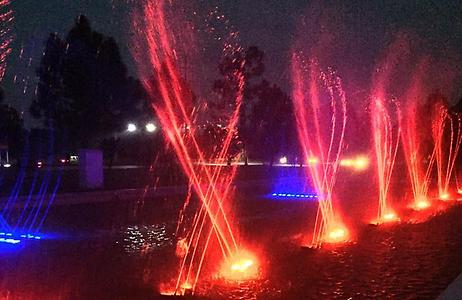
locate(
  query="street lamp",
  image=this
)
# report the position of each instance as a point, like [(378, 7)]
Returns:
[(150, 127), (131, 127)]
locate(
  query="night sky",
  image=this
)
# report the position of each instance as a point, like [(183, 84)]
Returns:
[(363, 28)]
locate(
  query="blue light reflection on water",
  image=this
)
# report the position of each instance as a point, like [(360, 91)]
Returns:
[(292, 184)]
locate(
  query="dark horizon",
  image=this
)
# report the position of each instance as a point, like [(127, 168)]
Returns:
[(365, 28)]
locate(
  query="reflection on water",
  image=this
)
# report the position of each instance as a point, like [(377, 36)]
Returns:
[(145, 238), (405, 261)]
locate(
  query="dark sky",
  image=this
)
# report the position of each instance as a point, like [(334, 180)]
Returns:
[(364, 29)]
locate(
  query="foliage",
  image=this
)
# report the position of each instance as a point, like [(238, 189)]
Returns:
[(84, 93), (11, 128), (266, 119)]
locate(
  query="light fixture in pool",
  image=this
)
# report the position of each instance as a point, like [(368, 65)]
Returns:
[(13, 236), (9, 240), (294, 195)]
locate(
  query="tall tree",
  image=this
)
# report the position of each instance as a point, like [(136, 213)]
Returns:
[(266, 123), (271, 123), (11, 127), (84, 91)]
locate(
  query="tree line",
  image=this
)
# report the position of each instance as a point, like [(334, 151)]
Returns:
[(85, 98)]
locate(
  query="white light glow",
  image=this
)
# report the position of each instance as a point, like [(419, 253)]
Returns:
[(150, 127), (131, 127)]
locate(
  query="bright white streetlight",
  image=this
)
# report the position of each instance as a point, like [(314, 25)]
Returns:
[(283, 160), (150, 127), (131, 127)]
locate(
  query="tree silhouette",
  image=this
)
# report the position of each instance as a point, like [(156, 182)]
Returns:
[(11, 127), (266, 119), (84, 92)]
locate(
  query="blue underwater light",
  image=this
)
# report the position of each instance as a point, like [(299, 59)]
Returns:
[(294, 196), (13, 238)]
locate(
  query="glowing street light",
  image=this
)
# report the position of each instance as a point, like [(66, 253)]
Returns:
[(313, 160), (360, 163), (283, 160), (131, 127), (151, 127)]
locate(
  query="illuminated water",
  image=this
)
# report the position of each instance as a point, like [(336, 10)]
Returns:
[(108, 260)]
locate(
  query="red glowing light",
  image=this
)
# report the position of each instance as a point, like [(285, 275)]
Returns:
[(445, 196), (422, 204), (387, 218), (240, 267), (337, 234)]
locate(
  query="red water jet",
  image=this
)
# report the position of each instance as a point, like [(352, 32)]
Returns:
[(163, 42), (386, 141), (419, 162), (320, 110), (445, 153)]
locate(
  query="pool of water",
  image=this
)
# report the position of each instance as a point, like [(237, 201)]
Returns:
[(130, 261)]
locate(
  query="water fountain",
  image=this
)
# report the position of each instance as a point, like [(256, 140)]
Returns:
[(445, 153), (419, 162), (164, 38), (385, 143), (320, 111)]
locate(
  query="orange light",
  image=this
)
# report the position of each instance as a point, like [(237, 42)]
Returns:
[(422, 204), (337, 234), (313, 160), (444, 196), (361, 163), (186, 286), (389, 217), (346, 162), (242, 266)]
